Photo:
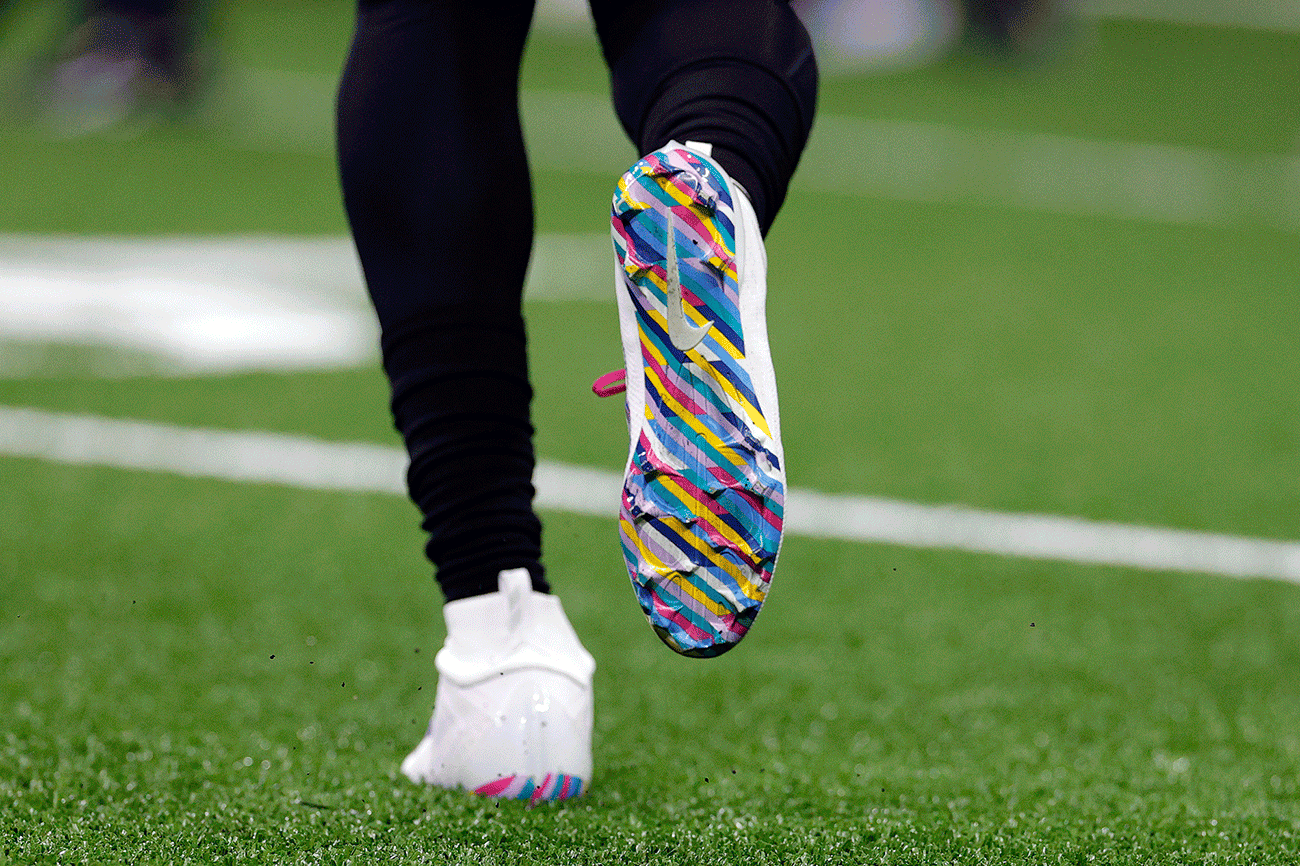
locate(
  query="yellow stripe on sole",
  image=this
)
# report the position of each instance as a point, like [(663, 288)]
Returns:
[(687, 586)]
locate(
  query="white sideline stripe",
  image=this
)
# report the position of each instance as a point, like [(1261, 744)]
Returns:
[(1041, 536), (274, 458), (888, 159), (312, 463)]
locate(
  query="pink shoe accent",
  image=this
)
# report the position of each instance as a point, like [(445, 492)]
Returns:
[(553, 787), (542, 791), (613, 382), (495, 789)]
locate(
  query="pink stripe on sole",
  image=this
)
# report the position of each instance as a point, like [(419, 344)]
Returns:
[(495, 789)]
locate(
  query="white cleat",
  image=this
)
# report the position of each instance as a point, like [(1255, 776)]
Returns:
[(513, 713)]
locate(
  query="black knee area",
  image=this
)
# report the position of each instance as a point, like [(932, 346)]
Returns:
[(461, 401), (738, 74)]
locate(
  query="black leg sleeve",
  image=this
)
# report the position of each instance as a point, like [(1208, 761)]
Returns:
[(738, 74), (436, 187)]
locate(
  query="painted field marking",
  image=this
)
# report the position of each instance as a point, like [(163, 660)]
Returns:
[(195, 305), (297, 461), (886, 159), (1154, 183)]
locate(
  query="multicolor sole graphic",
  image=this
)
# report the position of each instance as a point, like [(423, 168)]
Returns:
[(704, 493), (554, 786)]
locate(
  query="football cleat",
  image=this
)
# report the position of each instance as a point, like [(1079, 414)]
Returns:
[(513, 713), (704, 485)]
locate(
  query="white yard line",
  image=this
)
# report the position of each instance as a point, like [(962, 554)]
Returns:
[(1155, 183), (312, 463), (194, 305), (884, 159)]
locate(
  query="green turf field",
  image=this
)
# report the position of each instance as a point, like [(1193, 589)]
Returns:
[(209, 671)]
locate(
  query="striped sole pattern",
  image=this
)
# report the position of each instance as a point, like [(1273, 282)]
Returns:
[(703, 498), (554, 786)]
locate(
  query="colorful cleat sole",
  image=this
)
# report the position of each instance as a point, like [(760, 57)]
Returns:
[(704, 489), (553, 787)]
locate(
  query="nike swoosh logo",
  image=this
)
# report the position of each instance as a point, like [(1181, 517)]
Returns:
[(684, 335)]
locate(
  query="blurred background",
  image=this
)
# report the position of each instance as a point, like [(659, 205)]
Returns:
[(1048, 244), (1043, 262)]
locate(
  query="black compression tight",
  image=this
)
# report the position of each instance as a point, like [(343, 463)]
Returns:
[(437, 191)]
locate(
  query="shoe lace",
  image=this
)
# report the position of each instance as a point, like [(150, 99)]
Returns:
[(613, 382)]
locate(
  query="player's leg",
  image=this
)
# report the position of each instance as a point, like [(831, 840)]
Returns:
[(719, 95), (436, 187)]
